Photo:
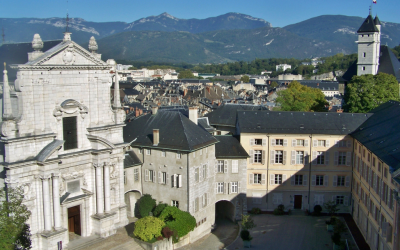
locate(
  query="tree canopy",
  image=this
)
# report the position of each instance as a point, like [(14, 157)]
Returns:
[(298, 97), (184, 74), (245, 78), (367, 92)]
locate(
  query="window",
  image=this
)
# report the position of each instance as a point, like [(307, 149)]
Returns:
[(339, 200), (279, 156), (299, 157), (140, 151), (257, 156), (342, 158), (200, 152), (220, 167), (369, 157), (298, 180), (220, 187), (319, 180), (196, 204), (257, 141), (234, 187), (321, 143), (385, 172), (136, 174), (320, 158), (373, 161), (178, 155), (70, 133), (341, 181), (257, 178), (196, 174), (299, 142), (363, 68), (175, 203), (204, 171), (148, 151), (163, 153), (163, 178), (278, 179), (151, 176), (235, 166), (279, 142), (379, 167), (364, 54), (205, 202)]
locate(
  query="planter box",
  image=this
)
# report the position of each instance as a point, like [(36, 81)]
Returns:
[(165, 244), (246, 244)]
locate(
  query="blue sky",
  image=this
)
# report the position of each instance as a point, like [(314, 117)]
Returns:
[(279, 13)]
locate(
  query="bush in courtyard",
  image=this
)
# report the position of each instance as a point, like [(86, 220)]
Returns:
[(159, 208), (178, 220), (279, 210), (317, 210), (255, 210), (245, 235), (146, 205), (148, 228), (247, 222)]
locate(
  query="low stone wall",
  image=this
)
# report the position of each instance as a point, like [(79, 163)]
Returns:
[(165, 244), (183, 241)]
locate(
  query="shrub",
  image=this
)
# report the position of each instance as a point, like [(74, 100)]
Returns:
[(281, 207), (146, 205), (331, 207), (255, 210), (148, 228), (177, 220), (159, 208), (247, 222), (317, 210), (336, 238), (160, 237), (279, 210), (245, 235)]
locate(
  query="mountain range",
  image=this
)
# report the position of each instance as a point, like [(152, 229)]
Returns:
[(228, 37)]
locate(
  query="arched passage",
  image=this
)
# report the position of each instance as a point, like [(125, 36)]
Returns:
[(224, 209), (131, 198)]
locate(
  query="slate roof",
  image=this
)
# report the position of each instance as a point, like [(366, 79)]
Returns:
[(203, 122), (131, 92), (322, 85), (229, 147), (388, 62), (368, 25), (226, 114), (299, 122), (131, 160), (377, 21), (381, 134), (177, 132)]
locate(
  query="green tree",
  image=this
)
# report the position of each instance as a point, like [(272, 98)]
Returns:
[(367, 92), (148, 228), (245, 78), (14, 232), (146, 205), (274, 84), (180, 221), (184, 74), (298, 97)]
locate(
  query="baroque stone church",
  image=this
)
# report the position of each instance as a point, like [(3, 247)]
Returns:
[(62, 143)]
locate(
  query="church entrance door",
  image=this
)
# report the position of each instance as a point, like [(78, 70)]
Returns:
[(74, 220)]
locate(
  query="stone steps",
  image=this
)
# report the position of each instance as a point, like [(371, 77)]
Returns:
[(83, 244)]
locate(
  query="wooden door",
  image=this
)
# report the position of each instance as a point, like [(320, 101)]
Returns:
[(74, 220), (298, 201)]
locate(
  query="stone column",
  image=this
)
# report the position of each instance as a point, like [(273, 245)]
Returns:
[(56, 202), (99, 188), (46, 202), (107, 187)]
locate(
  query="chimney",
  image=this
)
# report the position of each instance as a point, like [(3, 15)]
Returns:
[(193, 114), (156, 137), (154, 110)]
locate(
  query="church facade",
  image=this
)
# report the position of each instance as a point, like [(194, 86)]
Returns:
[(62, 143)]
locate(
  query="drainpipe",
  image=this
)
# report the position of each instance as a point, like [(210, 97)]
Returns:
[(268, 162), (187, 182), (309, 175)]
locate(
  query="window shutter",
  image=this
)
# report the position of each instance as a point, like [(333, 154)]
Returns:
[(252, 142), (159, 177), (334, 180), (226, 187), (374, 181), (225, 166), (264, 142), (273, 142), (326, 180), (272, 157), (305, 143), (348, 159), (146, 175), (306, 157), (238, 186), (200, 173), (326, 154), (336, 143), (263, 157), (284, 157), (347, 181), (336, 158), (293, 142), (293, 157), (285, 142), (292, 177), (251, 178), (167, 178), (216, 188), (251, 156), (216, 166), (154, 176), (271, 179), (315, 143), (349, 143), (230, 187), (208, 198), (333, 198), (179, 180), (284, 178), (263, 179), (327, 143), (314, 158), (305, 180), (313, 180), (346, 200)]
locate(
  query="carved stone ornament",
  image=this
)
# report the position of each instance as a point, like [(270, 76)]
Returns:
[(113, 170), (93, 45), (73, 175), (7, 128), (37, 43), (98, 165), (70, 107), (69, 55)]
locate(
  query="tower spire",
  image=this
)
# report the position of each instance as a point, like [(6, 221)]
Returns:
[(7, 110)]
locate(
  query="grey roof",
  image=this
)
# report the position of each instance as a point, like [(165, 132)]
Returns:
[(131, 92), (226, 113), (322, 85), (177, 132), (131, 160), (368, 25), (229, 147), (299, 122), (381, 133), (203, 122), (377, 21), (388, 62)]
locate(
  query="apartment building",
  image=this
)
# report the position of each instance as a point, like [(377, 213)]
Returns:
[(298, 159)]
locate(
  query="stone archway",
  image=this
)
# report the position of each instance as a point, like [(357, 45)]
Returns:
[(131, 198), (225, 209)]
